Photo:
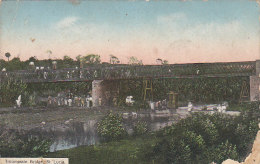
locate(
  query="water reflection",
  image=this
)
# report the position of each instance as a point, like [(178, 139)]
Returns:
[(84, 133)]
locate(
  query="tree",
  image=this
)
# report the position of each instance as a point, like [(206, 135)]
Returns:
[(68, 61), (134, 61), (165, 62), (161, 62), (8, 55), (90, 59), (16, 64), (114, 59), (49, 52), (33, 59)]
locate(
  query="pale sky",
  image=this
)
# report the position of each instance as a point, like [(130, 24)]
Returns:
[(177, 31)]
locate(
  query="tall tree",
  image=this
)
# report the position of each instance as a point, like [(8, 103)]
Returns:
[(165, 62), (49, 52), (114, 59), (8, 55), (134, 61)]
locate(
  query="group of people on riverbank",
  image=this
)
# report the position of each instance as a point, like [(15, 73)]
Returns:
[(70, 100)]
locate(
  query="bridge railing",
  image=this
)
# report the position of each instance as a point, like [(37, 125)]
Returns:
[(133, 71)]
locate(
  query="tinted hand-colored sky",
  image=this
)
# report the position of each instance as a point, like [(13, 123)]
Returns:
[(177, 31)]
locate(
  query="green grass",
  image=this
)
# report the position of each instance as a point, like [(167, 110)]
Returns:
[(116, 152)]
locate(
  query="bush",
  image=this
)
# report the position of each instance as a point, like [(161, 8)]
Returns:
[(171, 151), (140, 128), (13, 144), (221, 152), (111, 127), (204, 138)]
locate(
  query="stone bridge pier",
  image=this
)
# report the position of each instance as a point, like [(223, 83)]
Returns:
[(104, 92), (255, 84)]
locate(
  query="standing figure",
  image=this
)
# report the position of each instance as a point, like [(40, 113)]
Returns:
[(45, 74), (65, 101), (49, 100), (19, 101), (55, 101), (78, 101), (87, 101), (115, 101), (82, 102), (70, 102)]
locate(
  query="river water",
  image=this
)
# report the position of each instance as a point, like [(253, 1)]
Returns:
[(85, 133)]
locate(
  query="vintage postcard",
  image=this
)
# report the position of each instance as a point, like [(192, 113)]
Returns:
[(138, 81)]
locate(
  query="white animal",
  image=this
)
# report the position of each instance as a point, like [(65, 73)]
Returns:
[(129, 100), (19, 101)]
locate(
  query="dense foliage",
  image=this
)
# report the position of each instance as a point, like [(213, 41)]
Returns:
[(199, 90), (111, 127), (206, 138), (206, 90), (46, 89), (13, 144), (10, 90)]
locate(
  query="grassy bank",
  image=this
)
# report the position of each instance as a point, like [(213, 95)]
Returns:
[(124, 151)]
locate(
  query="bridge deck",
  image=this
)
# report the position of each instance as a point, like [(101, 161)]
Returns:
[(114, 72)]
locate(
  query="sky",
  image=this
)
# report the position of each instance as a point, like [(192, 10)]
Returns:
[(178, 31)]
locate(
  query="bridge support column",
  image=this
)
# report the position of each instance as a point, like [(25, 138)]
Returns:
[(103, 92), (255, 84)]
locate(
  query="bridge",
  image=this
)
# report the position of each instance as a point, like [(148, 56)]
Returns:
[(116, 72), (102, 75)]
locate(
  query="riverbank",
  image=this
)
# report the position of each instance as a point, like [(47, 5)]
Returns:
[(124, 151), (28, 119), (46, 118), (197, 139), (73, 127)]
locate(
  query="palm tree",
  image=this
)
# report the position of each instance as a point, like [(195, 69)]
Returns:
[(49, 52), (8, 55)]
